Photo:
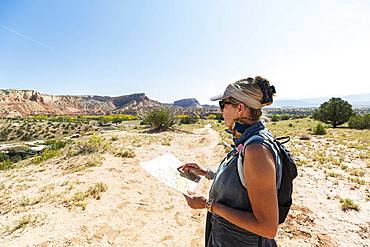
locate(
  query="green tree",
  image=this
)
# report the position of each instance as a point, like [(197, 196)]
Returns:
[(335, 112), (160, 119)]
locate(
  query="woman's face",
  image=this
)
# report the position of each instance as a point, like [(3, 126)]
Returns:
[(230, 113)]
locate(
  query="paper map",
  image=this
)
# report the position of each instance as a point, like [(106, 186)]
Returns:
[(164, 168)]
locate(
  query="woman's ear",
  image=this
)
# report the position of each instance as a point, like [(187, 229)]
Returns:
[(241, 108)]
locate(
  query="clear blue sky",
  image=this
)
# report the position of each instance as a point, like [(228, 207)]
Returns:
[(179, 49)]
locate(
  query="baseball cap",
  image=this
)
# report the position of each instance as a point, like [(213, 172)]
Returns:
[(233, 90)]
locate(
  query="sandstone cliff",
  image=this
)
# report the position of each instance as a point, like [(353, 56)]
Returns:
[(15, 103)]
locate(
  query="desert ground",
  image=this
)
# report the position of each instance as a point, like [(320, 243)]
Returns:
[(93, 192)]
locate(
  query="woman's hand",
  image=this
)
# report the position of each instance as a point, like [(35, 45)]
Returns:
[(195, 201), (192, 168)]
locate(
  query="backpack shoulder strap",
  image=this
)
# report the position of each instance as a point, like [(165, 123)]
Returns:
[(250, 140)]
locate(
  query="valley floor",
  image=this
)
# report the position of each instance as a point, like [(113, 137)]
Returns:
[(116, 203)]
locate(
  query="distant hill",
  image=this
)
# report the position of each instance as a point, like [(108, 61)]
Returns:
[(15, 103), (359, 100), (19, 103), (187, 103)]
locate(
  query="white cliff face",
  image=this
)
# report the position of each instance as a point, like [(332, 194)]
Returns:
[(30, 102)]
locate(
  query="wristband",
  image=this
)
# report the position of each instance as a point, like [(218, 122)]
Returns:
[(210, 174), (209, 205)]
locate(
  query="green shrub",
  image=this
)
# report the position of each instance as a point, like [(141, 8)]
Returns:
[(93, 144), (96, 190), (45, 155), (215, 116), (304, 137), (124, 153), (160, 119), (56, 144), (319, 130), (359, 122), (6, 164), (3, 157), (347, 204), (275, 118), (186, 119)]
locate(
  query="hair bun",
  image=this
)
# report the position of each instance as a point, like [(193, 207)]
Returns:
[(272, 90), (266, 89)]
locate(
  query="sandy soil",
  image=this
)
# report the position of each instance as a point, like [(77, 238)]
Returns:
[(137, 210)]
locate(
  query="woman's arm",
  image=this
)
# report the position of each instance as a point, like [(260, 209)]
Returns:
[(260, 177)]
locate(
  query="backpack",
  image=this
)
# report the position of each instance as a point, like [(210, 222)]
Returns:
[(289, 172)]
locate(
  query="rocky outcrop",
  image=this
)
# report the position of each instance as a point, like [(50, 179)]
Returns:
[(187, 103), (14, 103), (20, 103)]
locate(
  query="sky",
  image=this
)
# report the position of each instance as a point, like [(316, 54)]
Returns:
[(171, 50)]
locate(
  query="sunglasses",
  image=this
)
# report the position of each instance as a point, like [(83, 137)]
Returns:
[(222, 104)]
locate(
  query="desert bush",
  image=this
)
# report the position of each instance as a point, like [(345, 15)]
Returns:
[(186, 119), (3, 157), (347, 204), (3, 136), (26, 137), (116, 118), (160, 119), (96, 190), (357, 180), (304, 137), (52, 150), (275, 118), (23, 222), (79, 198), (319, 130), (359, 122), (56, 144), (88, 162), (45, 155), (211, 116), (6, 164), (94, 144), (124, 153), (356, 172)]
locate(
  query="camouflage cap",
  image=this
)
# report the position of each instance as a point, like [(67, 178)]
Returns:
[(233, 90)]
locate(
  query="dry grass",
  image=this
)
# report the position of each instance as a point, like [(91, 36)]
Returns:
[(79, 199), (358, 172), (123, 152), (348, 204), (82, 163), (28, 220)]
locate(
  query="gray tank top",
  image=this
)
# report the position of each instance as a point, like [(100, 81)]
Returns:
[(228, 189)]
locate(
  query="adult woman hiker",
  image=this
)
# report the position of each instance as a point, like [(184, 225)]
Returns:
[(242, 203)]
